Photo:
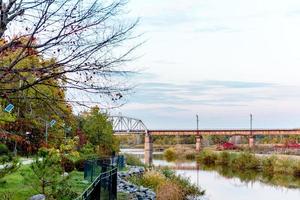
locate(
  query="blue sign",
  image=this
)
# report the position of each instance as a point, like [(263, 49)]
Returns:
[(9, 108), (52, 122)]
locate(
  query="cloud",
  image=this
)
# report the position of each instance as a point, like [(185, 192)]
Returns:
[(212, 29), (211, 92)]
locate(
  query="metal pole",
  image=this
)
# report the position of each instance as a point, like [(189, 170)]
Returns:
[(197, 118), (251, 119)]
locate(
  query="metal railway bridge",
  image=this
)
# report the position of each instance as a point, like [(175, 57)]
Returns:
[(125, 125)]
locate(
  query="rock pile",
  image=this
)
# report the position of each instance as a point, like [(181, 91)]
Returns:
[(136, 192)]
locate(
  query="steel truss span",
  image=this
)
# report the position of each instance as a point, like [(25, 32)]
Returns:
[(127, 125)]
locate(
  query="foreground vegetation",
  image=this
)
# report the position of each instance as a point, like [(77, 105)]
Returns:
[(57, 168), (167, 185), (18, 187)]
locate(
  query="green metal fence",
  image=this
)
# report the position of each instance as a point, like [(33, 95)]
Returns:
[(104, 187), (102, 173)]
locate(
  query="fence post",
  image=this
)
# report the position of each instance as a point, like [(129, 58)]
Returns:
[(109, 186), (114, 181)]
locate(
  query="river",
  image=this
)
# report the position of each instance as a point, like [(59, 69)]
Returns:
[(220, 185)]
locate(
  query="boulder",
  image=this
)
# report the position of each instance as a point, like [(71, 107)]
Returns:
[(38, 197)]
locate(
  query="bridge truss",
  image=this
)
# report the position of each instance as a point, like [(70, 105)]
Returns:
[(127, 125)]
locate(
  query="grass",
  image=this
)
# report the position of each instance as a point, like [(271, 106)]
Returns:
[(15, 185), (167, 184)]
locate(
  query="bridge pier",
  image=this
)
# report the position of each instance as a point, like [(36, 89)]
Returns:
[(251, 141), (148, 149), (198, 143)]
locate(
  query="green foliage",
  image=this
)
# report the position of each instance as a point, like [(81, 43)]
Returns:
[(46, 177), (99, 132), (17, 182), (245, 161), (64, 191), (10, 165), (6, 117), (284, 166), (170, 154), (46, 174), (133, 160), (296, 169), (87, 151), (7, 196), (268, 165), (207, 157), (223, 158), (3, 149), (186, 186)]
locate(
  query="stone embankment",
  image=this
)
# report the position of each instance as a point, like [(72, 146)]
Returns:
[(136, 192)]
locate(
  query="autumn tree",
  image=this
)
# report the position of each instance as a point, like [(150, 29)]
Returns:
[(35, 106), (90, 41)]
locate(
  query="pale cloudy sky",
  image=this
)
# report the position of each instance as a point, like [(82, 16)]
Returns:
[(219, 59)]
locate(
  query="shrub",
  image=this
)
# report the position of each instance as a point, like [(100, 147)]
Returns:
[(67, 164), (296, 169), (133, 160), (207, 157), (245, 161), (151, 179), (184, 183), (268, 164), (190, 156), (283, 166), (167, 184), (3, 149), (223, 158), (8, 168), (79, 165), (43, 152), (167, 172), (169, 191), (170, 154), (186, 186), (63, 191)]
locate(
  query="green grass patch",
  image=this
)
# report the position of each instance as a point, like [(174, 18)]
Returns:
[(14, 185)]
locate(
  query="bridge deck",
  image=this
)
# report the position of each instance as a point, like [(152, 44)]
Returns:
[(227, 132)]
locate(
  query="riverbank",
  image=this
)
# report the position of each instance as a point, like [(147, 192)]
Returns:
[(246, 161), (164, 182), (134, 192)]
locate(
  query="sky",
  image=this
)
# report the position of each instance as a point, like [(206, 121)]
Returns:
[(221, 60)]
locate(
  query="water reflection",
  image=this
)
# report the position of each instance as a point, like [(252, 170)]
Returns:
[(222, 183)]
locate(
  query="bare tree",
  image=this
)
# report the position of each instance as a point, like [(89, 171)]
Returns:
[(86, 38)]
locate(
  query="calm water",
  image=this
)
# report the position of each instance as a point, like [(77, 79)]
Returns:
[(226, 187)]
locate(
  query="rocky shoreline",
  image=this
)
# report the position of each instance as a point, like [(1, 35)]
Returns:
[(136, 192)]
